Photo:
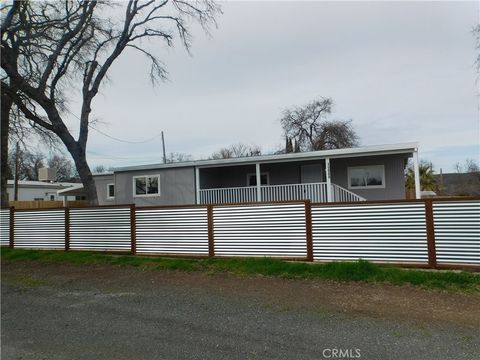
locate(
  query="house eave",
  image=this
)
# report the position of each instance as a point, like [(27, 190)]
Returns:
[(390, 149)]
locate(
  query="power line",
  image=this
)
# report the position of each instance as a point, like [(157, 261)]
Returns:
[(113, 137)]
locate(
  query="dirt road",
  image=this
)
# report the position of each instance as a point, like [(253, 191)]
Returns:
[(53, 311)]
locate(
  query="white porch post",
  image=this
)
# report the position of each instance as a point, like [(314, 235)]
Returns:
[(259, 182), (197, 185), (65, 201), (416, 172), (329, 180)]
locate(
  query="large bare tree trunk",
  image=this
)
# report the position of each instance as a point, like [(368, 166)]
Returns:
[(87, 180), (6, 106), (79, 157)]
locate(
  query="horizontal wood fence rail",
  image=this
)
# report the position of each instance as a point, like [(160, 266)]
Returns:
[(441, 233)]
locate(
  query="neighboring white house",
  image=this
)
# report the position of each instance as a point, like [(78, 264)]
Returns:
[(38, 190)]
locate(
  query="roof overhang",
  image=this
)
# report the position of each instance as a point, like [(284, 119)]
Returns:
[(405, 148), (76, 190)]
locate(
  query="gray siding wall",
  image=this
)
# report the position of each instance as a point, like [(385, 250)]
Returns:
[(101, 182), (177, 187), (394, 175)]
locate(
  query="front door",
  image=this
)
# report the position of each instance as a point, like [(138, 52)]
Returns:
[(312, 173)]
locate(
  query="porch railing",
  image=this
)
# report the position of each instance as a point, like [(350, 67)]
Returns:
[(315, 192), (228, 195), (340, 194)]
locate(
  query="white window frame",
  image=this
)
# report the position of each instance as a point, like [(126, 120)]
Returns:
[(145, 176), (255, 176), (108, 191), (349, 170)]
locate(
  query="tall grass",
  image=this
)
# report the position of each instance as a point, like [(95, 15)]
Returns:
[(337, 271)]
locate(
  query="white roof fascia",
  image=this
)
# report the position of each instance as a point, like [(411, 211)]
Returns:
[(72, 188), (404, 148)]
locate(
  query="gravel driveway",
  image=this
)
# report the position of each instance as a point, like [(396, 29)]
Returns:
[(52, 311)]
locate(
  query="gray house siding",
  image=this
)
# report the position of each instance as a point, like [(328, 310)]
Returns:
[(177, 187), (394, 175), (101, 182)]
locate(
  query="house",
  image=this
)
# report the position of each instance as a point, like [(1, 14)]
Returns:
[(38, 190), (342, 175)]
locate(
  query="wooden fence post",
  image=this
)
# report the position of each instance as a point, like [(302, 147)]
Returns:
[(67, 229), (133, 229), (12, 228), (211, 233), (308, 227), (430, 224)]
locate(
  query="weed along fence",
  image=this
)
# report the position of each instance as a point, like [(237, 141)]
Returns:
[(436, 233)]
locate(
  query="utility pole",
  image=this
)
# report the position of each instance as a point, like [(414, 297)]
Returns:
[(163, 146), (15, 174)]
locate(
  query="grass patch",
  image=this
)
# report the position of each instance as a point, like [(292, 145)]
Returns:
[(26, 281), (338, 271)]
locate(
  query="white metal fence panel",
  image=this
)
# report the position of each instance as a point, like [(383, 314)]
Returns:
[(172, 231), (40, 229), (100, 229), (4, 227), (276, 230), (457, 231), (393, 232)]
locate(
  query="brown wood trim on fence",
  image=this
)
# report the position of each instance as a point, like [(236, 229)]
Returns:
[(67, 229), (78, 207), (133, 229), (261, 203), (396, 201), (430, 226), (12, 228), (153, 207), (308, 230), (211, 231)]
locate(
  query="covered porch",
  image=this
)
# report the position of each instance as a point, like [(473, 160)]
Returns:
[(343, 178), (285, 181)]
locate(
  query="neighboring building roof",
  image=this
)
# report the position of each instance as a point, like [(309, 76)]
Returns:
[(106, 173), (459, 184), (74, 190), (40, 184), (405, 148)]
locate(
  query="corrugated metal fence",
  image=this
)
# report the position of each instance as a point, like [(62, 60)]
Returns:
[(435, 233)]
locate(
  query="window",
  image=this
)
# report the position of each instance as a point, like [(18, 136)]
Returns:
[(52, 197), (110, 191), (252, 179), (366, 177), (146, 185)]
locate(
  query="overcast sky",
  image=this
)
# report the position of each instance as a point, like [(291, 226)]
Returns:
[(401, 71)]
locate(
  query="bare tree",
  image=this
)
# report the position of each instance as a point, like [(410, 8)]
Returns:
[(62, 166), (307, 126), (175, 157), (468, 166), (28, 164), (237, 150), (46, 45)]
